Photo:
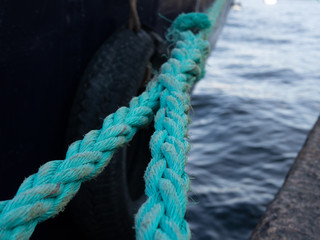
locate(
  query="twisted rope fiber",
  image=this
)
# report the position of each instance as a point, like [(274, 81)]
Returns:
[(162, 216), (47, 192), (167, 184)]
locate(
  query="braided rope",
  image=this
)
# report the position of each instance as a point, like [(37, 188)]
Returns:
[(167, 184), (162, 215), (47, 192)]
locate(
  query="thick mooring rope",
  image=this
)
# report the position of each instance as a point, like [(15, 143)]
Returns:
[(162, 216), (47, 192), (167, 184)]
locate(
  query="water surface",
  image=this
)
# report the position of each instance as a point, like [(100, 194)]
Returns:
[(252, 113)]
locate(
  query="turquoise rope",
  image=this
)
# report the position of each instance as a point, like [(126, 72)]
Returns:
[(47, 192), (167, 184), (162, 215)]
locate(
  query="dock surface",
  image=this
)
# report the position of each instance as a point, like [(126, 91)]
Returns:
[(295, 211)]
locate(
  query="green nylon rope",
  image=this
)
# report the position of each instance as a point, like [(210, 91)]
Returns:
[(47, 192)]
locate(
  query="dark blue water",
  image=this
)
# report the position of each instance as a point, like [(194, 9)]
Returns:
[(252, 113)]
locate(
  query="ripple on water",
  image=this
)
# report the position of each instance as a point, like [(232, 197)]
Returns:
[(252, 112)]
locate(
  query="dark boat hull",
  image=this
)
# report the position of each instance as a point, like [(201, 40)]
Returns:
[(45, 47)]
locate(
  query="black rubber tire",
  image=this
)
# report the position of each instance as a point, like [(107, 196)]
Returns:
[(104, 208)]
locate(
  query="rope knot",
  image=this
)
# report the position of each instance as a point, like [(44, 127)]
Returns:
[(192, 21)]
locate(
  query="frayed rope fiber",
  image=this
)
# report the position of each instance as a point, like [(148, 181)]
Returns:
[(47, 192)]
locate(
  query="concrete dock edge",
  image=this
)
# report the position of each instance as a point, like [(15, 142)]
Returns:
[(294, 213)]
